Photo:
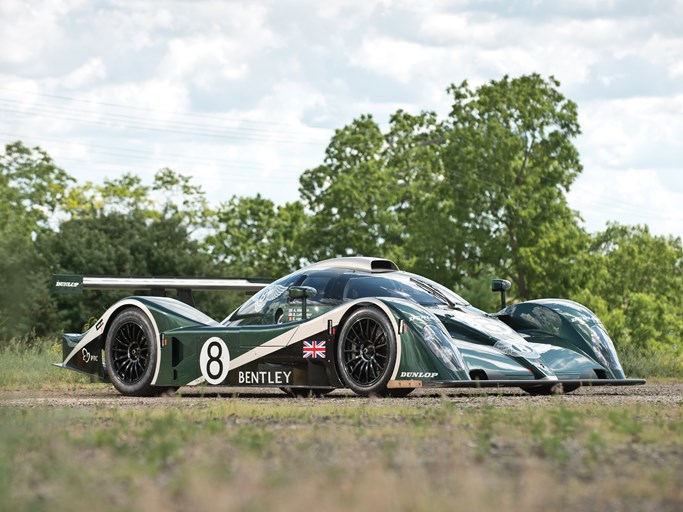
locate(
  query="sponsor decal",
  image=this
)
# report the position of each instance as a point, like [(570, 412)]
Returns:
[(419, 375), (66, 284), (421, 318), (87, 356), (62, 283), (266, 377), (294, 315), (214, 360), (314, 349)]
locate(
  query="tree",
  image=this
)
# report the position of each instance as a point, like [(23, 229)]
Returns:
[(182, 200), (364, 198), (510, 161), (118, 244), (632, 280), (31, 188), (482, 192), (254, 238), (125, 227), (347, 195)]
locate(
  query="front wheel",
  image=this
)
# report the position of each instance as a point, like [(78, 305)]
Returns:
[(366, 352), (131, 352)]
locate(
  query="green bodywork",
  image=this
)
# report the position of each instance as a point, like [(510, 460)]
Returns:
[(444, 341)]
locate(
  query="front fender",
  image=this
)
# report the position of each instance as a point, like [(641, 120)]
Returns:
[(428, 351)]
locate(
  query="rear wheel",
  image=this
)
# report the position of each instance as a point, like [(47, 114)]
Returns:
[(366, 352), (131, 353)]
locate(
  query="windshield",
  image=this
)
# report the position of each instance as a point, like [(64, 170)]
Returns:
[(403, 286)]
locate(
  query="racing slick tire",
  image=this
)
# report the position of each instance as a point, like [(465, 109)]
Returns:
[(131, 353), (366, 352)]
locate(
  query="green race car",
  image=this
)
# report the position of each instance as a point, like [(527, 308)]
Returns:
[(357, 323)]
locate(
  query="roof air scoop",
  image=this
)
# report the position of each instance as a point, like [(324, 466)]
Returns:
[(383, 265), (360, 263)]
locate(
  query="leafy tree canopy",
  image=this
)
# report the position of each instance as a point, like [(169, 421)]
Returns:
[(31, 188), (482, 190), (633, 280), (478, 194), (253, 237)]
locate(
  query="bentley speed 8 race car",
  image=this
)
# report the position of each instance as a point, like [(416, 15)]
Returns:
[(357, 323)]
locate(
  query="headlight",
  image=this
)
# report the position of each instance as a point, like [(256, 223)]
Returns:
[(441, 345)]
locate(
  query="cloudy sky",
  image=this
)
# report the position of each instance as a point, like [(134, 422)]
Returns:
[(244, 96)]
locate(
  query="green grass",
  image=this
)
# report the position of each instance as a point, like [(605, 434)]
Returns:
[(668, 363), (346, 455), (331, 454), (30, 367)]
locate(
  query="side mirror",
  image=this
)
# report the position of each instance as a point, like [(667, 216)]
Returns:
[(501, 285), (303, 293)]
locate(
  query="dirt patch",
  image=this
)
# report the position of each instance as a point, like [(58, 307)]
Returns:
[(665, 394)]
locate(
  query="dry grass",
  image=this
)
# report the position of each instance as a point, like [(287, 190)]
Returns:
[(343, 455), (591, 451)]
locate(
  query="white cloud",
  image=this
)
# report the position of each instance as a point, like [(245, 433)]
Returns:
[(91, 71), (29, 28), (665, 51), (632, 158), (204, 61), (631, 131), (268, 71), (629, 196), (400, 60)]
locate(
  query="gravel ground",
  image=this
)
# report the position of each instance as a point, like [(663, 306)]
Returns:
[(666, 394)]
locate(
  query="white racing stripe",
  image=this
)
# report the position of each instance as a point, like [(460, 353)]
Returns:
[(301, 332), (305, 330)]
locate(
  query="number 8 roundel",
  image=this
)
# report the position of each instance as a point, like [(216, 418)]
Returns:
[(214, 360)]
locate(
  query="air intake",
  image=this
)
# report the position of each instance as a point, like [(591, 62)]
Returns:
[(383, 266), (359, 263)]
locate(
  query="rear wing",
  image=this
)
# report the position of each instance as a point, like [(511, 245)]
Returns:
[(70, 284)]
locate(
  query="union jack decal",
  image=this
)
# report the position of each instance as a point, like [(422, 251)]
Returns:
[(314, 349)]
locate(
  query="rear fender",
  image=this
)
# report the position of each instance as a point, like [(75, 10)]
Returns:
[(85, 352)]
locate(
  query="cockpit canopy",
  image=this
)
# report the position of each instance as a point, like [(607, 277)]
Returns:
[(335, 286)]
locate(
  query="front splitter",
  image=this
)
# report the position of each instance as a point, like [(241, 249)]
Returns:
[(396, 384)]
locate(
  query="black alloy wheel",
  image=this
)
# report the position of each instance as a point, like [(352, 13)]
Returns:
[(131, 353), (366, 352)]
